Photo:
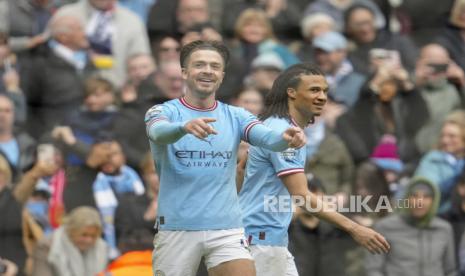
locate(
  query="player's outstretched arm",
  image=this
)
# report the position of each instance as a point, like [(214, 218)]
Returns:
[(368, 238), (165, 132), (262, 136)]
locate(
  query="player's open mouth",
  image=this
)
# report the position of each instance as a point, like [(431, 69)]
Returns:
[(206, 80)]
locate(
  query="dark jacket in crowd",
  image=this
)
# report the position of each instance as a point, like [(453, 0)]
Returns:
[(54, 90), (361, 127), (418, 246), (322, 251), (11, 235), (451, 38)]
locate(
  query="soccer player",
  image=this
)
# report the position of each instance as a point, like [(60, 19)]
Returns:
[(297, 95), (194, 141)]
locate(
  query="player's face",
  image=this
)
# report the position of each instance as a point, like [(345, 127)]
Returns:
[(311, 95), (204, 72)]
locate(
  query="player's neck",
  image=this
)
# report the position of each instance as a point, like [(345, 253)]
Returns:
[(301, 119), (200, 102), (6, 136)]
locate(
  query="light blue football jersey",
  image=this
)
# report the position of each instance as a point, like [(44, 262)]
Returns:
[(267, 225), (197, 177)]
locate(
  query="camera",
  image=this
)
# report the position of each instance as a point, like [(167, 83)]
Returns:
[(438, 67)]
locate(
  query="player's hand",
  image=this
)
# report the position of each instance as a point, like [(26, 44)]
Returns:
[(295, 137), (370, 239), (200, 128)]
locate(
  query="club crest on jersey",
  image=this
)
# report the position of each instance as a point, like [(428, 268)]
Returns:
[(289, 154)]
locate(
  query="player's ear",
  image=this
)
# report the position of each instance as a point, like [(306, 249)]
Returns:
[(291, 93), (184, 73)]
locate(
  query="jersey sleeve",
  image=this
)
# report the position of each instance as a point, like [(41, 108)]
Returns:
[(254, 132), (288, 162), (160, 127)]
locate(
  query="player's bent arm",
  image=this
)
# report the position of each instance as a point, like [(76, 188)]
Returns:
[(165, 132), (296, 184), (264, 137)]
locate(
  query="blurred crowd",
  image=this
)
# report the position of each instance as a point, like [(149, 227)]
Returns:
[(78, 186)]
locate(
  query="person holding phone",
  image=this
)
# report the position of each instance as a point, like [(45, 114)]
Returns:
[(441, 84), (10, 79)]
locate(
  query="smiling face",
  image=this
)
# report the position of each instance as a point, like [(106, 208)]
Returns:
[(204, 72), (310, 96), (451, 140)]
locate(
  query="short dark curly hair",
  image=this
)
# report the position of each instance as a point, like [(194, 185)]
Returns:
[(189, 48)]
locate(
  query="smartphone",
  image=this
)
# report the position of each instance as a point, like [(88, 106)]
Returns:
[(438, 67), (384, 57), (46, 152)]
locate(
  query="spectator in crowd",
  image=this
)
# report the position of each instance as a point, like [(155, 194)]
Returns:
[(12, 202), (456, 215), (336, 10), (435, 75), (360, 28), (166, 48), (136, 258), (284, 16), (55, 85), (183, 14), (139, 211), (312, 26), (139, 67), (388, 104), (370, 181), (190, 13), (386, 158), (265, 68), (251, 100), (167, 80), (422, 29), (443, 165), (17, 146), (73, 249), (10, 80), (139, 7), (328, 159), (254, 35), (114, 33), (331, 56), (25, 21), (11, 245), (451, 36), (421, 244), (315, 243), (94, 120), (114, 180)]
